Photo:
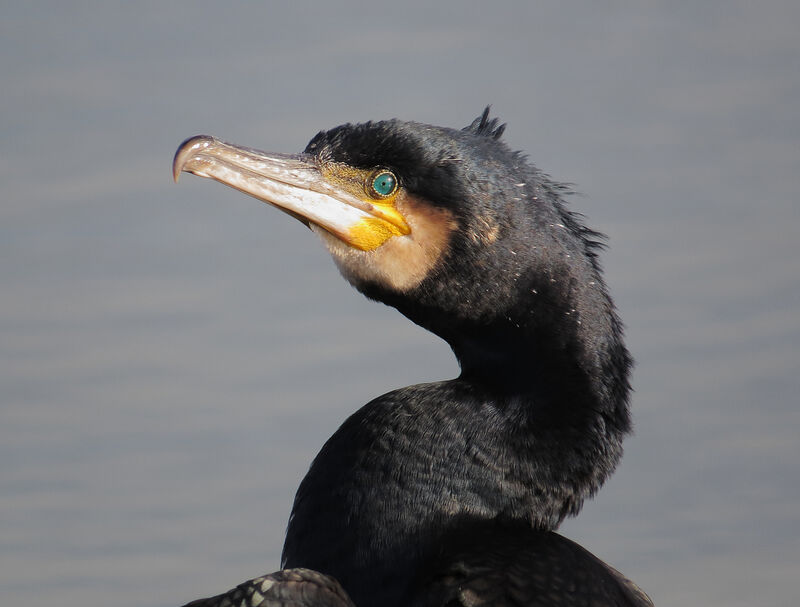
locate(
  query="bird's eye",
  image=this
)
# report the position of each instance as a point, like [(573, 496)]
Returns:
[(382, 184)]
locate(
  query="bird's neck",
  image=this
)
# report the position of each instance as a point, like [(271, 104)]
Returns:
[(415, 464), (531, 428)]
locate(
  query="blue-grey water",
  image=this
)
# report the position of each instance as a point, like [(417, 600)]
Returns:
[(172, 357)]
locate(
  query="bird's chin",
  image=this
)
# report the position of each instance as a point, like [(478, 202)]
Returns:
[(336, 246), (401, 262), (356, 266)]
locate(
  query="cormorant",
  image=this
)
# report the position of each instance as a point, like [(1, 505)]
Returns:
[(449, 493)]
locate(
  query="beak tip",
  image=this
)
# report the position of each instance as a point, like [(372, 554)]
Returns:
[(185, 152)]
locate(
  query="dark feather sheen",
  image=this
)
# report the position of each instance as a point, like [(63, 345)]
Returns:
[(449, 493)]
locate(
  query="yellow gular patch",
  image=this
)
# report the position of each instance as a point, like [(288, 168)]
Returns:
[(402, 261), (371, 232)]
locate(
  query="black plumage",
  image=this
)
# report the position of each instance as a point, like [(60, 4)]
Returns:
[(449, 493)]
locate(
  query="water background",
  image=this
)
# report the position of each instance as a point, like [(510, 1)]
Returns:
[(172, 357)]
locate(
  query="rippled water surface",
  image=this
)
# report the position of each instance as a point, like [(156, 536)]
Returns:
[(172, 357)]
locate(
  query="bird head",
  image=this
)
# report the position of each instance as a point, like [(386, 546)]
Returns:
[(451, 227)]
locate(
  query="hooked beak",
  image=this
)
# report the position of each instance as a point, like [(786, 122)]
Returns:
[(295, 184)]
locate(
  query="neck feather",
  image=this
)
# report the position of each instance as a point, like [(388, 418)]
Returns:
[(417, 462)]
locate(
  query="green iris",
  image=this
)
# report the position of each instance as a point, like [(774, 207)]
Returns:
[(383, 184)]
